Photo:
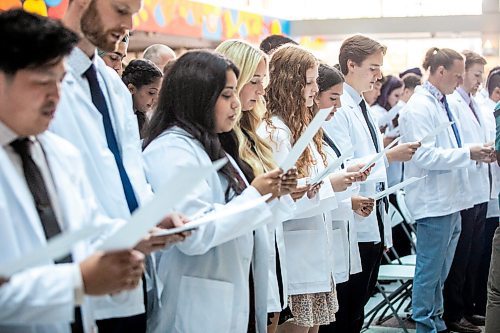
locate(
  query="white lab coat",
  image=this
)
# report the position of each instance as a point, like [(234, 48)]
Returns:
[(78, 121), (472, 133), (345, 249), (349, 129), (488, 109), (42, 299), (308, 236), (205, 277), (445, 165)]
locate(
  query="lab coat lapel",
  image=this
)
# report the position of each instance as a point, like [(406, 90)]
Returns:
[(16, 186)]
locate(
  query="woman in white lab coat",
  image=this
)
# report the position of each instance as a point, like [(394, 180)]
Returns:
[(290, 94), (253, 65), (345, 251), (207, 278)]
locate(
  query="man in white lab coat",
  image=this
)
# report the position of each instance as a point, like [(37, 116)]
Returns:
[(35, 205), (487, 104), (96, 115), (459, 287), (361, 59), (436, 201)]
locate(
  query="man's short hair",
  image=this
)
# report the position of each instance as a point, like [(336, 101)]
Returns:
[(411, 81), (472, 58), (357, 48), (31, 40), (272, 42)]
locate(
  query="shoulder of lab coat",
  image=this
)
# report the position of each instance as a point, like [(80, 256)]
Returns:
[(176, 149), (421, 117), (78, 121)]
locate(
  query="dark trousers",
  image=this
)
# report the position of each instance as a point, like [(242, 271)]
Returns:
[(355, 293), (460, 285), (132, 324), (484, 267)]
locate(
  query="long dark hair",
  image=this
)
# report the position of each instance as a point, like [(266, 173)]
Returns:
[(390, 84), (187, 100)]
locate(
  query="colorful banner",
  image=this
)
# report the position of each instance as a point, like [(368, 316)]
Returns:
[(181, 18), (194, 19)]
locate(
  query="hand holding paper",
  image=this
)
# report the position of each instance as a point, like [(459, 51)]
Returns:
[(379, 155), (215, 215), (163, 203), (331, 167)]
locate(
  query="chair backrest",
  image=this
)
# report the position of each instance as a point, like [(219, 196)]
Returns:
[(394, 215), (400, 199)]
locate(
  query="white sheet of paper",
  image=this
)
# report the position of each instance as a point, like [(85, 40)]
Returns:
[(57, 247), (437, 130), (331, 167), (304, 140), (215, 215), (163, 203), (379, 155), (396, 187), (389, 116)]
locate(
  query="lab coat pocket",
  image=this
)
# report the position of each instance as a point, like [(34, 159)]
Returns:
[(339, 252), (196, 311), (306, 256)]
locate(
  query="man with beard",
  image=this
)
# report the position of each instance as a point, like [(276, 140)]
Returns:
[(459, 288), (44, 191), (96, 115)]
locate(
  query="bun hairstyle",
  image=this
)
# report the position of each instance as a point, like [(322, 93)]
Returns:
[(435, 57)]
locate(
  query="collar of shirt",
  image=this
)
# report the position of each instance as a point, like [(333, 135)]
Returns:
[(80, 62), (464, 95), (433, 91), (356, 97), (6, 135)]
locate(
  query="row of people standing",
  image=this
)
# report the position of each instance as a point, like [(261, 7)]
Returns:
[(221, 278)]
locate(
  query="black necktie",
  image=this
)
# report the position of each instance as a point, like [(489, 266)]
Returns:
[(100, 103), (37, 187), (332, 145), (44, 207), (369, 124)]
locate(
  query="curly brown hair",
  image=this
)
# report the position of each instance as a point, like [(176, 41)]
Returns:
[(284, 95)]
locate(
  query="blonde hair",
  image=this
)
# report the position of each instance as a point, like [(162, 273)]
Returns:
[(288, 67), (247, 59)]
